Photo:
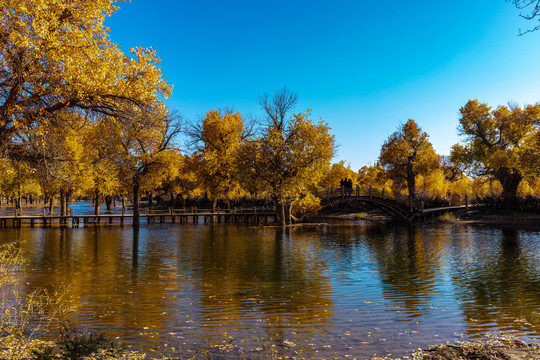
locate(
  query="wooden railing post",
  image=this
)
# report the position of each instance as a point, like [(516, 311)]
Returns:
[(382, 194)]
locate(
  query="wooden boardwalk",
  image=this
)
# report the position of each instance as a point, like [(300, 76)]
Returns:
[(437, 211), (399, 207), (195, 216)]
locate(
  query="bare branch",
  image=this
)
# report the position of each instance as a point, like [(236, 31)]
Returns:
[(278, 109), (532, 14)]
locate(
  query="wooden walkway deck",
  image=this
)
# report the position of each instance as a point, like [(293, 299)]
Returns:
[(432, 212), (242, 215)]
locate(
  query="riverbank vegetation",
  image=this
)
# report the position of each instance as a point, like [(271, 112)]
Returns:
[(92, 121)]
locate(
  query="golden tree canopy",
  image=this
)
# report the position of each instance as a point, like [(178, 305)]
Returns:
[(56, 55), (221, 134), (291, 160), (499, 143), (408, 153)]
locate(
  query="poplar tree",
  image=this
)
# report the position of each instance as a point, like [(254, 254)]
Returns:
[(408, 153), (57, 55), (292, 154), (218, 140), (497, 144)]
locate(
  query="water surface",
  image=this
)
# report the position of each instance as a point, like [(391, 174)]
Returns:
[(341, 290)]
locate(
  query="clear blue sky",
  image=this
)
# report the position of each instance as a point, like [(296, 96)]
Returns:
[(365, 67)]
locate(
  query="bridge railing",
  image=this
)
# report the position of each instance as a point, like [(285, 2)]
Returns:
[(414, 205)]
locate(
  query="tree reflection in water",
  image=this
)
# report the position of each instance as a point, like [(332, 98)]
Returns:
[(500, 286), (342, 289)]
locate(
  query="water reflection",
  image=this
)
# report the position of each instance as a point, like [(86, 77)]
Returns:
[(500, 287), (135, 251), (344, 289)]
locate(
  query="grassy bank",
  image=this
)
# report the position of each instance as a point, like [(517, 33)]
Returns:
[(494, 218)]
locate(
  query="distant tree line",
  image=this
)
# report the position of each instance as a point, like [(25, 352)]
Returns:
[(79, 117)]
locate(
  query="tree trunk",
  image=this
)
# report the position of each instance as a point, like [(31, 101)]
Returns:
[(136, 210), (18, 203), (411, 181), (108, 202), (67, 203), (62, 203), (214, 204), (280, 212), (96, 202), (180, 201), (510, 180), (51, 205), (150, 201), (288, 213)]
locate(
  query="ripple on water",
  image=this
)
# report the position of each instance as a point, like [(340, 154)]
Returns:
[(316, 292)]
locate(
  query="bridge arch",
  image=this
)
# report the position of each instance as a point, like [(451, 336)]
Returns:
[(393, 208)]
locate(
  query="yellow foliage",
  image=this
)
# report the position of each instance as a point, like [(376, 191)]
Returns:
[(306, 205), (500, 143), (335, 173), (58, 56), (140, 147), (62, 146), (376, 177), (433, 185), (464, 185), (17, 177), (408, 153), (529, 187), (484, 187), (290, 161), (217, 160)]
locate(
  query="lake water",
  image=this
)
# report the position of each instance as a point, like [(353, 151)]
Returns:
[(344, 290)]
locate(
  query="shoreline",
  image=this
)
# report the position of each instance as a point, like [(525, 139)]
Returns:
[(525, 220), (511, 219), (491, 348)]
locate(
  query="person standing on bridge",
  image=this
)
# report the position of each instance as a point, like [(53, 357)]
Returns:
[(349, 187)]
